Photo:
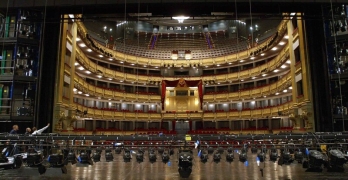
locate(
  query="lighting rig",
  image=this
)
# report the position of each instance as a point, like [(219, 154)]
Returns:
[(284, 148)]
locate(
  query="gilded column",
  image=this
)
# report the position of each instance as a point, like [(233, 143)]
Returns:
[(294, 112), (71, 115), (59, 81)]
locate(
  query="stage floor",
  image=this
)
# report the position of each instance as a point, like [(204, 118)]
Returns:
[(158, 170)]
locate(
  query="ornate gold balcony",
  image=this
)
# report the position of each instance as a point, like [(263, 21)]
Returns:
[(278, 86), (99, 114), (159, 62), (271, 65)]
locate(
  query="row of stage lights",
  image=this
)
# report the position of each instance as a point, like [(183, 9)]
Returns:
[(312, 160)]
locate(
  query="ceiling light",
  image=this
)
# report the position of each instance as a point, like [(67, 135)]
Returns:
[(286, 37), (81, 68), (110, 59), (99, 76), (87, 94), (121, 62), (109, 99), (156, 67), (285, 90), (218, 65), (242, 80), (262, 54), (276, 93), (281, 43), (264, 96), (74, 89), (290, 87), (276, 70), (275, 48), (144, 65), (283, 66), (121, 80), (180, 18), (252, 58), (82, 45), (229, 63), (218, 83), (288, 61), (88, 72), (264, 75), (78, 39), (101, 55), (241, 61), (253, 78), (89, 50), (80, 92), (132, 64), (110, 79), (206, 66), (76, 64)]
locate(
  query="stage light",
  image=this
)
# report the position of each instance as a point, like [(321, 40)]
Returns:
[(34, 157), (108, 154), (285, 157), (315, 161), (203, 155), (243, 157), (273, 154), (336, 160), (127, 155), (85, 157), (165, 157), (185, 162), (216, 157), (298, 156), (152, 155), (56, 157)]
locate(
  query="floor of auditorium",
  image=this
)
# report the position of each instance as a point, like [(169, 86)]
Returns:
[(158, 170)]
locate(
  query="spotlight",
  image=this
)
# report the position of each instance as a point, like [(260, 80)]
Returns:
[(273, 154), (71, 157), (152, 155), (56, 157), (337, 160), (127, 155), (108, 154), (34, 157), (285, 157), (185, 163), (315, 161), (243, 154), (140, 156), (165, 157), (85, 157), (216, 157), (298, 156), (203, 156)]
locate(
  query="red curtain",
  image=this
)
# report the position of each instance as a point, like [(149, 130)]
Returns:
[(200, 93)]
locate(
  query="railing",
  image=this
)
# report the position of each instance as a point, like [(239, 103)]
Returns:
[(235, 115), (276, 62), (158, 62), (278, 86), (87, 88)]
